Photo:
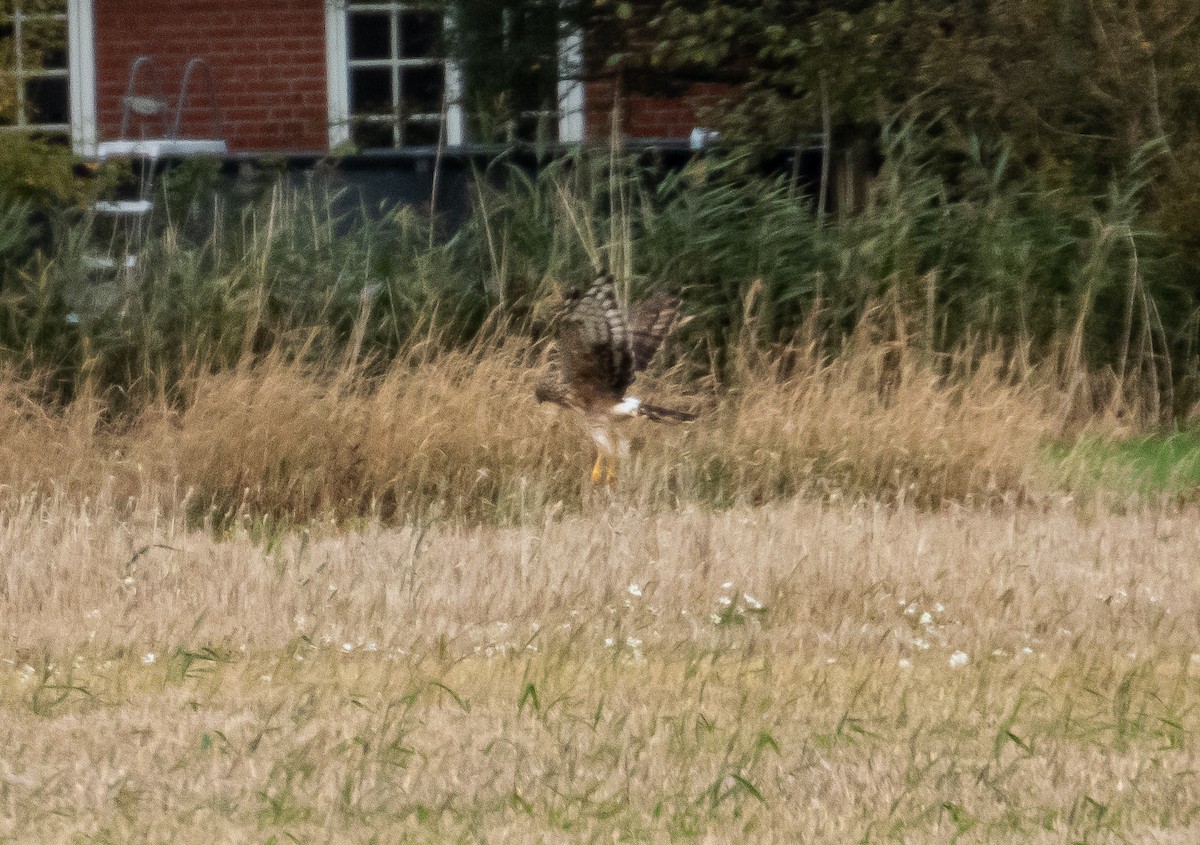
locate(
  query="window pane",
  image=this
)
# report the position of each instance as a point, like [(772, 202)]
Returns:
[(531, 127), (370, 36), (46, 43), (421, 88), (421, 133), (419, 34), (535, 86), (47, 99), (369, 135), (371, 90)]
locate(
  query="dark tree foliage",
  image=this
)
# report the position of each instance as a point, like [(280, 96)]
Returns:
[(1074, 90)]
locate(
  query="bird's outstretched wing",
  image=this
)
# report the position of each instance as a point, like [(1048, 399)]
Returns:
[(649, 324), (595, 345), (551, 387)]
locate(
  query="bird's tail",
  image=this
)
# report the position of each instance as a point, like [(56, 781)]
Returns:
[(660, 414)]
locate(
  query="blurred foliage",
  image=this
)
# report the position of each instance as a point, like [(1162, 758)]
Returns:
[(275, 264), (1071, 91), (1037, 168), (44, 172)]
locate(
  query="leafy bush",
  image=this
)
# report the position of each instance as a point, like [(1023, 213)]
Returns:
[(936, 260)]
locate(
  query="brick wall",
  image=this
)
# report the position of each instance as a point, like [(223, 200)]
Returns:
[(645, 116), (268, 57)]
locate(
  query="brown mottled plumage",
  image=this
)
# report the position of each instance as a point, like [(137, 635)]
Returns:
[(598, 354)]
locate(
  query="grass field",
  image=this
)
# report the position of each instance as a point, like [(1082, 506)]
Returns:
[(794, 672), (856, 602)]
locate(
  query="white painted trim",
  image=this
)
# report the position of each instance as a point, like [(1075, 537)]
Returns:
[(156, 148), (456, 124), (81, 65), (455, 117), (337, 73), (570, 87)]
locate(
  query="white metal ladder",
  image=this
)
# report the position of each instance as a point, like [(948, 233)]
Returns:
[(150, 132)]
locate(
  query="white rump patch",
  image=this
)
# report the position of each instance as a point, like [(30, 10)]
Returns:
[(627, 407)]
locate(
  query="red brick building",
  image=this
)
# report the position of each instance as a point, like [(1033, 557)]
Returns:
[(309, 76)]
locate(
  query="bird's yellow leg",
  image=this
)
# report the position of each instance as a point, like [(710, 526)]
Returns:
[(612, 469), (597, 468)]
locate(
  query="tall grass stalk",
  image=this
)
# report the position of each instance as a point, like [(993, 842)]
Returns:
[(986, 260), (456, 433)]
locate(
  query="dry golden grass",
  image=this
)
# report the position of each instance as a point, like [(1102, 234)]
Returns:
[(458, 435), (794, 672), (320, 606)]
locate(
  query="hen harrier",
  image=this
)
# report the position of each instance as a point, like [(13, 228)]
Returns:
[(598, 354)]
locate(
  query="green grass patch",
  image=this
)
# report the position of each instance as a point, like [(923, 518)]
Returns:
[(1147, 465)]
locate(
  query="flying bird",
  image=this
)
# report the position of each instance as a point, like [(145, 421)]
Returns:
[(598, 353)]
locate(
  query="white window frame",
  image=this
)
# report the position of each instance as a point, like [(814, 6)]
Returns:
[(81, 61), (80, 74), (337, 63), (570, 88), (337, 54)]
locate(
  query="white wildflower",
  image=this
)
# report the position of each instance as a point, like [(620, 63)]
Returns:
[(958, 660), (149, 657), (635, 590), (347, 647), (752, 602), (905, 663), (926, 618)]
